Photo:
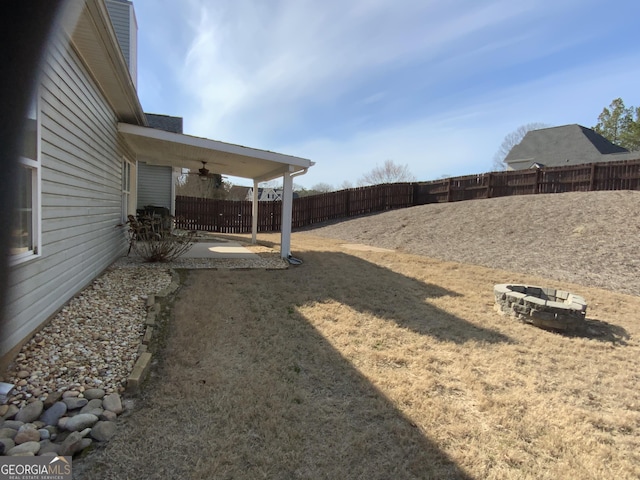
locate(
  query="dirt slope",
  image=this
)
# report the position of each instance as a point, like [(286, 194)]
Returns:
[(589, 238)]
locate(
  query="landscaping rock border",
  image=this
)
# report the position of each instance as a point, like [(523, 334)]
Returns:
[(142, 365), (67, 422), (63, 424)]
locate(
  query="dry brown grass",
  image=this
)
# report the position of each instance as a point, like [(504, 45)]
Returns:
[(381, 365)]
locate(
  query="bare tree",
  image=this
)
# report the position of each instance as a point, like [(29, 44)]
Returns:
[(191, 185), (323, 187), (389, 172), (346, 185), (511, 140)]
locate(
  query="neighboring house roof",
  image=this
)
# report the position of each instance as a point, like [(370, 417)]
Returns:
[(564, 145), (267, 194), (238, 192), (164, 122)]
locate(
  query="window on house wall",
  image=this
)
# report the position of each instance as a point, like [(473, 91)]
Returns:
[(25, 230), (126, 189)]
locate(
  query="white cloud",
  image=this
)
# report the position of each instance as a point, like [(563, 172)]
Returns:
[(246, 58), (320, 79), (463, 140)]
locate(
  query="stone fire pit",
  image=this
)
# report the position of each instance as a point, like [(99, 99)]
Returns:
[(543, 307)]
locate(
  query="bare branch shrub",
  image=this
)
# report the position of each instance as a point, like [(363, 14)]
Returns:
[(152, 241)]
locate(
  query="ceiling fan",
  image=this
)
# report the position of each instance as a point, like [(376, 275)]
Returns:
[(204, 174), (204, 171)]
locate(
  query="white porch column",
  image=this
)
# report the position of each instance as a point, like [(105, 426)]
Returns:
[(287, 206), (175, 173), (254, 213)]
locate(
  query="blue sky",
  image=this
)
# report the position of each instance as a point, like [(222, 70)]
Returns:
[(351, 83)]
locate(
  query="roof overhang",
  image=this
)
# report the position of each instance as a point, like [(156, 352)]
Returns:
[(89, 28), (520, 163), (158, 147)]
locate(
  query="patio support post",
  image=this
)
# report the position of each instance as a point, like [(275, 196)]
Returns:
[(287, 206), (254, 213)]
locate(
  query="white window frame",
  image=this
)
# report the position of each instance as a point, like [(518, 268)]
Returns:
[(33, 165), (128, 179)]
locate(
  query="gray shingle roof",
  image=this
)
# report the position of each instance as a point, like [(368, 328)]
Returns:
[(564, 145), (164, 122)]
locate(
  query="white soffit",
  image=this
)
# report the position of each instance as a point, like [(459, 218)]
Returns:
[(158, 147), (88, 25)]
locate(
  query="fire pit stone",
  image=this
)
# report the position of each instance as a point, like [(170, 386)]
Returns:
[(543, 307)]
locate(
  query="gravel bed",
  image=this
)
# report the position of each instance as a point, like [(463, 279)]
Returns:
[(93, 341)]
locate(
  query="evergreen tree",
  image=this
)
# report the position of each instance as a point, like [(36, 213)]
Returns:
[(620, 125)]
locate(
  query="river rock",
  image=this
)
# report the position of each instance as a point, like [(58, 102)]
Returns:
[(52, 398), (74, 403), (80, 422), (92, 405), (94, 393), (103, 431), (62, 422), (15, 424), (11, 412), (108, 416), (53, 413), (30, 412), (113, 403), (48, 447), (6, 444), (74, 443), (28, 447), (27, 435), (8, 432), (94, 411)]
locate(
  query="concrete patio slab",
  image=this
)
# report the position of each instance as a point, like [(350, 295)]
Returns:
[(219, 249)]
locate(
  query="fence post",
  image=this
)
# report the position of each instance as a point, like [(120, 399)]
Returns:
[(448, 189), (538, 179), (347, 203), (592, 180), (489, 177)]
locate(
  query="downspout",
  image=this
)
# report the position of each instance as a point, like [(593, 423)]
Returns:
[(301, 172), (287, 203)]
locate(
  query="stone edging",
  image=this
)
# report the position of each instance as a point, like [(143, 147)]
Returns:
[(539, 306), (141, 368), (66, 423)]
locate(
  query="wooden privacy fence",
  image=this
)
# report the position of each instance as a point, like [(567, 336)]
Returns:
[(227, 216)]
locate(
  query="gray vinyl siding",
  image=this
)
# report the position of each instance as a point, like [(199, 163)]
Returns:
[(154, 185), (81, 167), (119, 12)]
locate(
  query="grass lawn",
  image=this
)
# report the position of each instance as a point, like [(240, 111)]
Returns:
[(371, 364)]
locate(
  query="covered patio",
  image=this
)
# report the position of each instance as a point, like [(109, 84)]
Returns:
[(159, 147)]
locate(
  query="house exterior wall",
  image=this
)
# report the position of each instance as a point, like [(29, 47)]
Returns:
[(81, 196), (124, 23)]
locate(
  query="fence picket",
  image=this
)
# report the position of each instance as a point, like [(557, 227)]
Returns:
[(228, 216)]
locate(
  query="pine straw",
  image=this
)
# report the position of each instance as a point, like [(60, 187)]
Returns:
[(372, 364)]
